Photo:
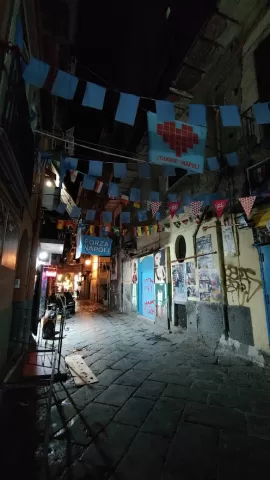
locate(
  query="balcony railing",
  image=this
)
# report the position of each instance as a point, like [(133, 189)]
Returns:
[(254, 135), (15, 118)]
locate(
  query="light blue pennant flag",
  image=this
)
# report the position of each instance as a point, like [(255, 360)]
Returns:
[(120, 170), (88, 182), (95, 168), (169, 171), (172, 197), (125, 217), (154, 196), (75, 212), (19, 36), (127, 108), (261, 112), (36, 72), (178, 144), (142, 215), (213, 164), (165, 111), (64, 85), (90, 215), (197, 115), (180, 210), (71, 163), (135, 195), (158, 215), (94, 96), (107, 217), (188, 199), (144, 170), (61, 208), (230, 116), (113, 191), (232, 159)]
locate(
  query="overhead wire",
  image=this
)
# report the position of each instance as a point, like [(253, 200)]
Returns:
[(50, 135)]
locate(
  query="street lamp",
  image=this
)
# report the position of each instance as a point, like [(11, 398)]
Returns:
[(43, 256), (49, 183)]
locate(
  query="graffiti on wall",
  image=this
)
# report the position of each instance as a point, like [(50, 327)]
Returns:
[(148, 296), (242, 281)]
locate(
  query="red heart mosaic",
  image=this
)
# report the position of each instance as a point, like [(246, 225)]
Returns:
[(179, 139)]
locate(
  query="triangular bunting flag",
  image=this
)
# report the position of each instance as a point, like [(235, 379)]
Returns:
[(98, 186), (73, 175), (196, 207), (116, 231), (219, 206), (247, 204), (139, 231), (124, 199), (173, 207), (177, 224), (155, 207)]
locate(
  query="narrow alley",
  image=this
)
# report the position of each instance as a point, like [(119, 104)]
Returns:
[(164, 407)]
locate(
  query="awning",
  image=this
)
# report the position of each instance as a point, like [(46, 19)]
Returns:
[(52, 246)]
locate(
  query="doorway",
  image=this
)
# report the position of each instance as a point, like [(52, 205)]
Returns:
[(147, 303), (264, 255)]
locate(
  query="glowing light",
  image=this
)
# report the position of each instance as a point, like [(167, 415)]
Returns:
[(51, 273), (49, 183), (43, 256), (87, 262)]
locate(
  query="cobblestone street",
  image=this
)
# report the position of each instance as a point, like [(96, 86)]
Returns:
[(164, 408)]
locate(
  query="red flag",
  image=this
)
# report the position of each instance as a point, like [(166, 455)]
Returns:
[(247, 204), (173, 207), (219, 206)]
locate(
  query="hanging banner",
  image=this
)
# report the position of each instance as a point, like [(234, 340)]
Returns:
[(176, 143), (173, 207), (219, 206), (96, 246), (247, 204)]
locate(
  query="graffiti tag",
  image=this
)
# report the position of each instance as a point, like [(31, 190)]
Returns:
[(242, 281)]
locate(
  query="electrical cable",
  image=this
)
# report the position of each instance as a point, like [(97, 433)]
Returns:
[(138, 160)]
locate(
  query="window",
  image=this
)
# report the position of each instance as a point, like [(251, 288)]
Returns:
[(180, 248)]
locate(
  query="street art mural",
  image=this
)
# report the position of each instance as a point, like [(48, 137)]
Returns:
[(160, 267), (134, 286)]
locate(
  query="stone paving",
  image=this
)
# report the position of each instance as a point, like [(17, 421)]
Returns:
[(165, 408)]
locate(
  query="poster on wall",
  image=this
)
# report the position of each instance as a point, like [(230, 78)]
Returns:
[(204, 245), (161, 301), (160, 270), (114, 268), (3, 219), (179, 282), (229, 244), (134, 268), (209, 285), (11, 241)]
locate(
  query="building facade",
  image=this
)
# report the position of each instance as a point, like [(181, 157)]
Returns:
[(219, 289)]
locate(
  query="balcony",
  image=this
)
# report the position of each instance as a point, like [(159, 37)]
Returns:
[(254, 136)]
